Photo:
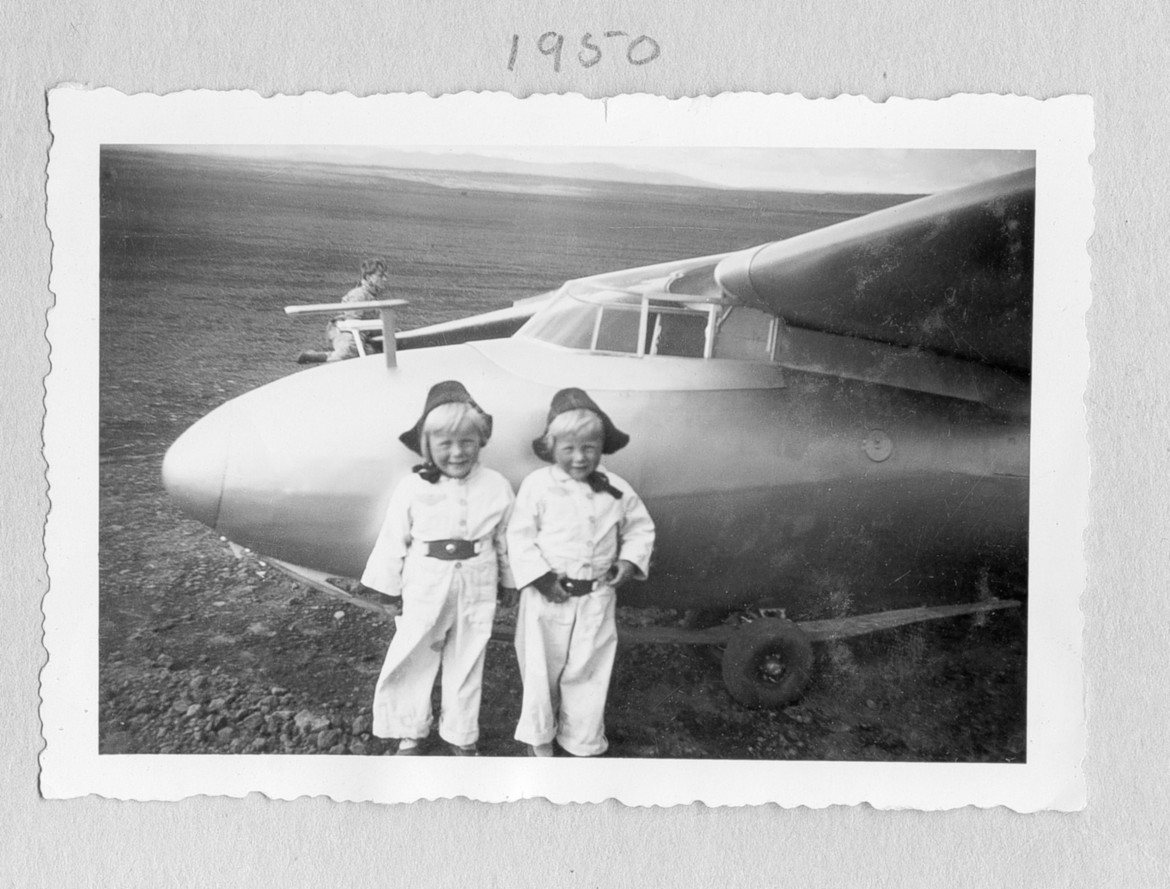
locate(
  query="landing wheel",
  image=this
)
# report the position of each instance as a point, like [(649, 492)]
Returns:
[(767, 663)]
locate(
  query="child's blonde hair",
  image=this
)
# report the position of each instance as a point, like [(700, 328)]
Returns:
[(580, 422), (452, 418)]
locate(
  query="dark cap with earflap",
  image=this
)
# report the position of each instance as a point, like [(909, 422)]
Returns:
[(613, 439), (446, 392)]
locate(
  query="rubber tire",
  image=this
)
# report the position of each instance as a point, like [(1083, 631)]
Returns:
[(754, 642)]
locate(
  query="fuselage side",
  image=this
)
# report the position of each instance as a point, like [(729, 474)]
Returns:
[(812, 491)]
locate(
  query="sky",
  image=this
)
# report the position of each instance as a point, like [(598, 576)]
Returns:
[(900, 171)]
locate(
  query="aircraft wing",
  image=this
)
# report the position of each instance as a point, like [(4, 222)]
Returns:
[(951, 273), (486, 326)]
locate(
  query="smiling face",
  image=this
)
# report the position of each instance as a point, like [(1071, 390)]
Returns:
[(456, 452), (452, 436)]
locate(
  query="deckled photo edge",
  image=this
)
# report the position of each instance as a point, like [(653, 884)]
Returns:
[(1059, 131)]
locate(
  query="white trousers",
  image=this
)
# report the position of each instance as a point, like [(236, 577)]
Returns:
[(566, 655), (446, 619)]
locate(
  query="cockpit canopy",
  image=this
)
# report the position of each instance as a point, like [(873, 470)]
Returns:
[(654, 318)]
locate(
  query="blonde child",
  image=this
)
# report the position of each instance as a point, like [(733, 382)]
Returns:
[(577, 533), (442, 548)]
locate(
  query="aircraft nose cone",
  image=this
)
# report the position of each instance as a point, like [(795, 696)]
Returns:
[(194, 467)]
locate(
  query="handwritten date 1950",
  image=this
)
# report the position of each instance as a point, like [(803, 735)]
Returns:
[(639, 50)]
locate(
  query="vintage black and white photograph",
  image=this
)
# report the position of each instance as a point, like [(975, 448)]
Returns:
[(439, 454)]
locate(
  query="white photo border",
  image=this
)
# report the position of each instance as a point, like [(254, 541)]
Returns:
[(1059, 130)]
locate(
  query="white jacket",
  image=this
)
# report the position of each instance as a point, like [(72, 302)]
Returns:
[(473, 508), (563, 526)]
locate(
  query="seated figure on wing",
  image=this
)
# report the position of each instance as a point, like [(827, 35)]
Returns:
[(341, 342)]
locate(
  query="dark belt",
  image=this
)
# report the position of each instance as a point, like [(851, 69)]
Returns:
[(578, 587), (450, 550)]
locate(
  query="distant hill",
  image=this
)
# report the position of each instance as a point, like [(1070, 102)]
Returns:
[(458, 165), (517, 177)]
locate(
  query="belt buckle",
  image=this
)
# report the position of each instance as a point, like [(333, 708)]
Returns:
[(450, 550), (575, 587)]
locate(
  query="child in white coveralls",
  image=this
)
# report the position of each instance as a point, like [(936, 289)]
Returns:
[(577, 533), (442, 548)]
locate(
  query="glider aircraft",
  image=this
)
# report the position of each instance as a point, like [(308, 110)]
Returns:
[(831, 431)]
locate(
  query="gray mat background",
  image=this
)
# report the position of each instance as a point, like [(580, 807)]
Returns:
[(1114, 51)]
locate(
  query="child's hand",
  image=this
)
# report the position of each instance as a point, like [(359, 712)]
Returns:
[(508, 596), (549, 586), (554, 593), (619, 573), (557, 593), (550, 593)]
